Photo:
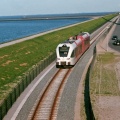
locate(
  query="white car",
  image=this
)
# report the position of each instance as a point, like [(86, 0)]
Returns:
[(116, 42)]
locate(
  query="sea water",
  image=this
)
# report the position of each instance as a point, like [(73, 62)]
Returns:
[(16, 29)]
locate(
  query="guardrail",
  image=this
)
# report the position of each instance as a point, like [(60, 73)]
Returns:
[(24, 82)]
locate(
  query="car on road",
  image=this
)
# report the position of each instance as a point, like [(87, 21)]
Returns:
[(116, 42), (114, 37)]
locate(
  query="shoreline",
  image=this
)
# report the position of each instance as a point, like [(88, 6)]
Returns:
[(39, 34)]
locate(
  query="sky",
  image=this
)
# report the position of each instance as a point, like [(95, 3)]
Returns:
[(38, 7)]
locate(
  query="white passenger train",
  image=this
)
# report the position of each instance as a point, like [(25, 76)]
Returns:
[(71, 50)]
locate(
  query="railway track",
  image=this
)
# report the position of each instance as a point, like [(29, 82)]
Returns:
[(47, 105)]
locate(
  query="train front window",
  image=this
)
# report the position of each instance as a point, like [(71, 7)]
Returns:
[(63, 51)]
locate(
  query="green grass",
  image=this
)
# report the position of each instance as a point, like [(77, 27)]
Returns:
[(16, 59)]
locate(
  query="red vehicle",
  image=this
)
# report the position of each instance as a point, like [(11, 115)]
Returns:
[(71, 50)]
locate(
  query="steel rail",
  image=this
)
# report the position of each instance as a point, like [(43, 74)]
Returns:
[(61, 74)]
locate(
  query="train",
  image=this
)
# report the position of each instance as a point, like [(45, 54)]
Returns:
[(69, 51)]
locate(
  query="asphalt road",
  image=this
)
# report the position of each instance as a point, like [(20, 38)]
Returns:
[(116, 32)]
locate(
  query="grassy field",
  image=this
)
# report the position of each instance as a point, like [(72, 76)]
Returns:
[(16, 59), (104, 82), (103, 79)]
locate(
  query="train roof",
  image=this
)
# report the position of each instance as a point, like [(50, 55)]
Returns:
[(69, 41), (74, 39)]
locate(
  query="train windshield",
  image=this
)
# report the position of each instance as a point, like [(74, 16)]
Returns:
[(63, 51)]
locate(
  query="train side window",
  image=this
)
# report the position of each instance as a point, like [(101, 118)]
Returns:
[(73, 54)]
